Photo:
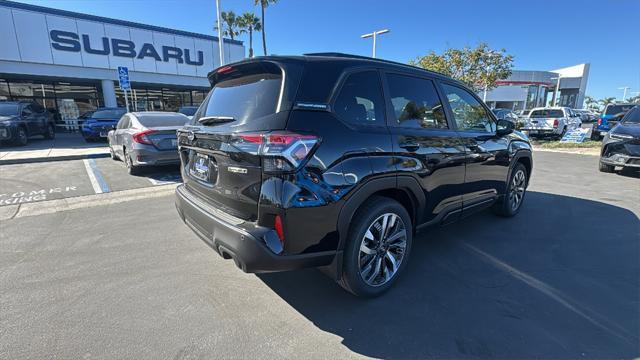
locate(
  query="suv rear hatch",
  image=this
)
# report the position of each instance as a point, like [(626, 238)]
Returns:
[(223, 148)]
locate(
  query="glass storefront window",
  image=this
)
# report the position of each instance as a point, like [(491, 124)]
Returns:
[(4, 90), (154, 97), (197, 97)]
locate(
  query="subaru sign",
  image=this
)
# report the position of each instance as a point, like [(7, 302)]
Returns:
[(123, 78)]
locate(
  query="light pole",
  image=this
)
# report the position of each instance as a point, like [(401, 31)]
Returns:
[(220, 39), (374, 35), (555, 93), (624, 94)]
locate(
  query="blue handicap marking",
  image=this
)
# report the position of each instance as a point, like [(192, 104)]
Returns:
[(123, 78)]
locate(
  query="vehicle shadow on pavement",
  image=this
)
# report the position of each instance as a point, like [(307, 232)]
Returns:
[(560, 280)]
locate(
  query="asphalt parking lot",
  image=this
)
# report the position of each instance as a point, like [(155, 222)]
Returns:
[(560, 280)]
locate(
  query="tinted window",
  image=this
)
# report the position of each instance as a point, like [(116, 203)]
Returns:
[(158, 120), (188, 110), (416, 102), (633, 116), (467, 111), (360, 100), (617, 109), (109, 114), (8, 109), (547, 113), (245, 94)]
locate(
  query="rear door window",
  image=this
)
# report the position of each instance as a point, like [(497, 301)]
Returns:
[(360, 100), (245, 93), (415, 102)]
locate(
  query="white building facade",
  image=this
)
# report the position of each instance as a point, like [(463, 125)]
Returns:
[(68, 61), (528, 89)]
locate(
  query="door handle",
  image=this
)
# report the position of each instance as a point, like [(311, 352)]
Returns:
[(410, 146)]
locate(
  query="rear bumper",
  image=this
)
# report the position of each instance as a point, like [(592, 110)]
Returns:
[(150, 156), (240, 240), (542, 131)]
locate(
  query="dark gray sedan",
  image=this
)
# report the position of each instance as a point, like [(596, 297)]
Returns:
[(146, 139)]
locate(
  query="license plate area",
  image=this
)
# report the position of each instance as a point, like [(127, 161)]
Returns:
[(203, 168)]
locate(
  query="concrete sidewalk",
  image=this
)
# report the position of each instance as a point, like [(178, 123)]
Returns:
[(65, 146)]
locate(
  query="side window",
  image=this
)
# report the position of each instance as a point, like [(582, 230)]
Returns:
[(415, 102), (360, 100), (467, 111), (27, 110)]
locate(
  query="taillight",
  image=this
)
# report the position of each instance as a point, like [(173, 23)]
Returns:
[(599, 121), (141, 137), (555, 123), (281, 150)]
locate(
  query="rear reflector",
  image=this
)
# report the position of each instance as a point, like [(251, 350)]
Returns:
[(279, 230)]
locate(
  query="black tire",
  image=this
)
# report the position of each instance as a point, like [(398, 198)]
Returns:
[(131, 168), (564, 131), (516, 189), (49, 132), (372, 213), (22, 138), (606, 168)]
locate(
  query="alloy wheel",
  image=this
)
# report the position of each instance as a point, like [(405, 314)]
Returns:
[(516, 189), (382, 249)]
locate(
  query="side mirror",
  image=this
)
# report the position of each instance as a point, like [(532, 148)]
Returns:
[(504, 127)]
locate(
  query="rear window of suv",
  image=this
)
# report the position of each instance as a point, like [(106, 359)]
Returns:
[(547, 113), (617, 109), (244, 93)]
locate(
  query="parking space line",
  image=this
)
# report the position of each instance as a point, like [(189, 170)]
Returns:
[(95, 177)]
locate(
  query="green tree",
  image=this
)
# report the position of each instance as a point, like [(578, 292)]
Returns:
[(590, 102), (480, 67), (249, 22), (634, 99), (606, 101), (264, 4), (230, 25)]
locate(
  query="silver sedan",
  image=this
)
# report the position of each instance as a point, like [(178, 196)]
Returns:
[(146, 139)]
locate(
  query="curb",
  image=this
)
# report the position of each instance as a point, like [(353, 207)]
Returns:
[(567, 151), (53, 158)]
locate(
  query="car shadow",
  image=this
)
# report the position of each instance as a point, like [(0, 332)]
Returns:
[(61, 141), (560, 280)]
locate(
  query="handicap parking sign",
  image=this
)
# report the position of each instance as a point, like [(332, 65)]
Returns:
[(123, 77)]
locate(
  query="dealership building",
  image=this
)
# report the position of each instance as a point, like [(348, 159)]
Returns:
[(529, 89), (68, 61)]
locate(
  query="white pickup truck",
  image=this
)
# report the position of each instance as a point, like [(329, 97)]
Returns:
[(551, 121)]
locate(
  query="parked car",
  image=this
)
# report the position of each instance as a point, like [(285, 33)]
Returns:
[(146, 139), (283, 171), (189, 111), (100, 122), (507, 114), (21, 119), (586, 115), (608, 119), (552, 121), (621, 145)]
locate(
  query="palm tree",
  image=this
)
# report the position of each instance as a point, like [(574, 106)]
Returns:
[(263, 4), (250, 23), (230, 25), (589, 101), (606, 101)]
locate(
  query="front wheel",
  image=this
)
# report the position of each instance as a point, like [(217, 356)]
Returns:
[(516, 189), (378, 247)]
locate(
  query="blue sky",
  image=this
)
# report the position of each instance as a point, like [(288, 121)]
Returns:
[(541, 34)]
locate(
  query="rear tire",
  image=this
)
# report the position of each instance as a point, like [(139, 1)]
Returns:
[(131, 168), (375, 258), (606, 168), (50, 132), (516, 190)]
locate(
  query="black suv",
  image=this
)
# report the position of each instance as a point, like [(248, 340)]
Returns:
[(21, 119), (334, 161)]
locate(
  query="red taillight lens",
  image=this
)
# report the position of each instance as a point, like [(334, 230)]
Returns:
[(141, 137), (282, 151), (279, 229), (555, 123), (225, 69), (599, 121)]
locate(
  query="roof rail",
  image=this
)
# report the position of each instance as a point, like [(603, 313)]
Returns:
[(351, 56)]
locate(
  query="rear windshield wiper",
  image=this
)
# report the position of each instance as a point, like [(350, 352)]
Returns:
[(208, 120)]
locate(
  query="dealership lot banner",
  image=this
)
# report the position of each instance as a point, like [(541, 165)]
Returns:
[(575, 136)]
